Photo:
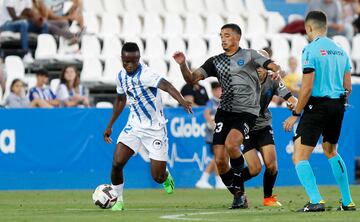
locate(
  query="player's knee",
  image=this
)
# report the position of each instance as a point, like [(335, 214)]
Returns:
[(232, 146), (330, 153), (271, 167), (255, 169), (118, 165)]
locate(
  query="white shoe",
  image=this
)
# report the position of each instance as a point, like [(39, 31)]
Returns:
[(220, 186), (28, 59), (203, 185)]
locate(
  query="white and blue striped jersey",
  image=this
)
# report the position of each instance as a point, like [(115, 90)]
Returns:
[(143, 96)]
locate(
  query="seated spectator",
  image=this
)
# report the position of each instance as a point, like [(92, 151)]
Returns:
[(195, 94), (351, 12), (41, 91), (70, 92), (333, 11), (17, 16), (292, 79), (17, 98), (58, 25), (73, 14)]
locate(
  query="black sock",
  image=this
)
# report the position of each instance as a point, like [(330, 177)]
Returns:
[(246, 174), (227, 179), (238, 166), (269, 182)]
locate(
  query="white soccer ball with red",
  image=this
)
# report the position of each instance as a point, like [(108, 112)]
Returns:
[(104, 196)]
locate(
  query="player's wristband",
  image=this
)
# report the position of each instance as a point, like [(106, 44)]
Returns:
[(295, 114)]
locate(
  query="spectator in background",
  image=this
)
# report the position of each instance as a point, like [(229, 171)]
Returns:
[(17, 98), (292, 79), (58, 25), (351, 12), (17, 16), (195, 94), (73, 14), (333, 11), (209, 114), (41, 91), (70, 92), (2, 77)]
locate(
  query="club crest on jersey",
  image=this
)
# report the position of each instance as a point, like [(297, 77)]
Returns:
[(323, 52), (240, 62), (157, 144)]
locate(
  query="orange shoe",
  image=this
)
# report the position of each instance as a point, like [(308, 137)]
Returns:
[(271, 201)]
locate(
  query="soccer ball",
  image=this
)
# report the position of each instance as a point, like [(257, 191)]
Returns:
[(104, 196)]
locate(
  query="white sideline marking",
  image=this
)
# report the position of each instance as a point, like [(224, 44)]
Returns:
[(183, 216), (135, 209)]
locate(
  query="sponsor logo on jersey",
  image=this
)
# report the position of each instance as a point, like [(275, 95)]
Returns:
[(323, 52)]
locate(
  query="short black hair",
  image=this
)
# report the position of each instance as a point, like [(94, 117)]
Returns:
[(42, 72), (215, 85), (233, 27), (130, 47), (318, 16)]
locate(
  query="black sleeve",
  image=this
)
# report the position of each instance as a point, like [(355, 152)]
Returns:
[(267, 63), (209, 68), (187, 90), (308, 70)]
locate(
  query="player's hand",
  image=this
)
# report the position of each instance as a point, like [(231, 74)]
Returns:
[(187, 106), (107, 134), (290, 105), (277, 75), (179, 57), (289, 123)]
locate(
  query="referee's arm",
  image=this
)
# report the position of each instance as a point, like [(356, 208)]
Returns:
[(347, 82)]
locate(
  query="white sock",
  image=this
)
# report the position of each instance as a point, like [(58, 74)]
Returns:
[(218, 180), (205, 176), (119, 190)]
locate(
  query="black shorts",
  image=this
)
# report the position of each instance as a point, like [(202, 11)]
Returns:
[(225, 121), (258, 138), (322, 116)]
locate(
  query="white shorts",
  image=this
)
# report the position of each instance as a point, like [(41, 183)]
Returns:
[(155, 142)]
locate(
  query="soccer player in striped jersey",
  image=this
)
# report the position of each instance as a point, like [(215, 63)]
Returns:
[(146, 126)]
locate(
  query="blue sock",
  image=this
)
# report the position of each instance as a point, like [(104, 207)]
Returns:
[(308, 180), (340, 173)]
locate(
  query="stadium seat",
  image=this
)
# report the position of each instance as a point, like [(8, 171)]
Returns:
[(131, 25), (295, 17), (236, 7), (54, 84), (195, 7), (154, 6), (215, 6), (159, 66), (215, 47), (298, 42), (91, 71), (244, 43), (104, 105), (134, 6), (111, 69), (93, 7), (258, 42), (152, 25), (110, 25), (255, 7), (275, 22), (198, 61), (237, 19), (46, 47), (255, 26), (281, 50), (196, 48), (173, 25), (174, 43), (194, 25), (343, 42), (30, 81), (355, 53), (115, 7), (213, 24), (111, 47), (90, 46), (91, 22), (155, 48), (13, 68), (175, 6)]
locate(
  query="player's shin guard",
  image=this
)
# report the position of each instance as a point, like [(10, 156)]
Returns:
[(227, 179), (308, 180), (268, 182), (340, 173)]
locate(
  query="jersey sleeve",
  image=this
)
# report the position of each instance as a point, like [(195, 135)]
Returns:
[(33, 94), (151, 78), (281, 90), (308, 62), (119, 86), (259, 59), (208, 68)]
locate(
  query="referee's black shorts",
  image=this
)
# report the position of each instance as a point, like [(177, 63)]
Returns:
[(225, 121), (322, 116)]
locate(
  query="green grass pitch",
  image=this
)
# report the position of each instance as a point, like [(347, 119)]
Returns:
[(155, 205)]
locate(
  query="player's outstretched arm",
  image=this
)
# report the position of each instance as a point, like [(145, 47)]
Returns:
[(190, 77), (169, 88), (118, 108)]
